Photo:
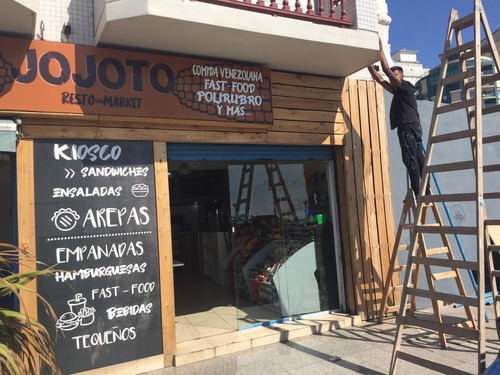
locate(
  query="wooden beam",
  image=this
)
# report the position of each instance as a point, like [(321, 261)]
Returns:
[(26, 219), (165, 252)]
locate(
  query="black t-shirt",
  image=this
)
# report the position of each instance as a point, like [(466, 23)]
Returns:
[(404, 105)]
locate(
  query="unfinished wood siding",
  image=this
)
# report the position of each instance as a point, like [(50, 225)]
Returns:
[(367, 216), (306, 109)]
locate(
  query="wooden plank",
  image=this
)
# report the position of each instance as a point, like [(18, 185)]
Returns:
[(463, 22), (26, 219), (449, 263), (494, 232), (446, 297), (448, 167), (306, 80), (310, 127), (31, 131), (306, 115), (316, 104), (386, 178), (368, 281), (449, 329), (369, 196), (36, 118), (455, 106), (461, 48), (460, 197), (457, 77), (446, 229), (344, 228), (165, 253), (491, 168), (381, 225), (304, 139), (305, 92), (454, 136), (351, 198)]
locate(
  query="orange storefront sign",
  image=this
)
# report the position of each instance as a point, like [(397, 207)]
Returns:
[(41, 76)]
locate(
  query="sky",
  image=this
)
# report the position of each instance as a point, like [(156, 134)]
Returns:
[(421, 25)]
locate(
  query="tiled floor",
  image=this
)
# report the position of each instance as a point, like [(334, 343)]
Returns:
[(204, 309)]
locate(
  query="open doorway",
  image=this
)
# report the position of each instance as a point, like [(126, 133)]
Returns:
[(253, 243)]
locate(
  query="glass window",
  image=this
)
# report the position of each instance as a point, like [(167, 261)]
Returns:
[(253, 241)]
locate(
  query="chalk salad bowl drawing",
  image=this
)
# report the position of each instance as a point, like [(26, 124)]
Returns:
[(140, 190)]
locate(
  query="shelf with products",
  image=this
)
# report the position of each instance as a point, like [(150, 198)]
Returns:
[(274, 271)]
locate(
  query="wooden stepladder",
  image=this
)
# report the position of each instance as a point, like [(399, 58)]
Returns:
[(469, 174), (283, 202), (445, 250), (280, 192)]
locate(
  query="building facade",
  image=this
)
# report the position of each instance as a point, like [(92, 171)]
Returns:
[(407, 59), (192, 166), (427, 85)]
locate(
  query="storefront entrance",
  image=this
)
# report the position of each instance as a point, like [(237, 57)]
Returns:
[(253, 239)]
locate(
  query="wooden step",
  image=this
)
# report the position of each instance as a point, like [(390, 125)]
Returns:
[(468, 333), (404, 247), (492, 222), (488, 110), (492, 195), (491, 139), (459, 77), (454, 136), (461, 197), (444, 275), (439, 229), (458, 49), (395, 308), (495, 273), (484, 81), (403, 268), (494, 248), (455, 106), (491, 168), (486, 48), (448, 167), (446, 297), (463, 23), (450, 263), (437, 250)]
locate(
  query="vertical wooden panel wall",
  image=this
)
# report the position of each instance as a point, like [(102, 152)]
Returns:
[(367, 211)]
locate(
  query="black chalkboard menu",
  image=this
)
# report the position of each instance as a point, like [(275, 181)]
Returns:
[(95, 217)]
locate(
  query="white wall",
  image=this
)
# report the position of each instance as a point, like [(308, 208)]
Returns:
[(55, 13)]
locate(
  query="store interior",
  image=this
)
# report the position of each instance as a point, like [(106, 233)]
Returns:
[(252, 244)]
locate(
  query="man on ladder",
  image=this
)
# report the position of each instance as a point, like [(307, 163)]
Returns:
[(404, 117)]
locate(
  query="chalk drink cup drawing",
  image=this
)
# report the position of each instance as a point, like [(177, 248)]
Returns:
[(79, 314)]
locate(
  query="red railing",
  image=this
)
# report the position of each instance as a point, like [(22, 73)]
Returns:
[(330, 12)]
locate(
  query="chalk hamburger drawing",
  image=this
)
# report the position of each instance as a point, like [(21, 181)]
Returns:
[(79, 314)]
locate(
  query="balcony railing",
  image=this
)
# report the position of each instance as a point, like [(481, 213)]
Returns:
[(331, 12)]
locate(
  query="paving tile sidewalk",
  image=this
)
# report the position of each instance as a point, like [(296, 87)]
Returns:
[(362, 349)]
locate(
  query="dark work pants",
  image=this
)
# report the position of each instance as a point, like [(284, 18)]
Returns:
[(410, 140)]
